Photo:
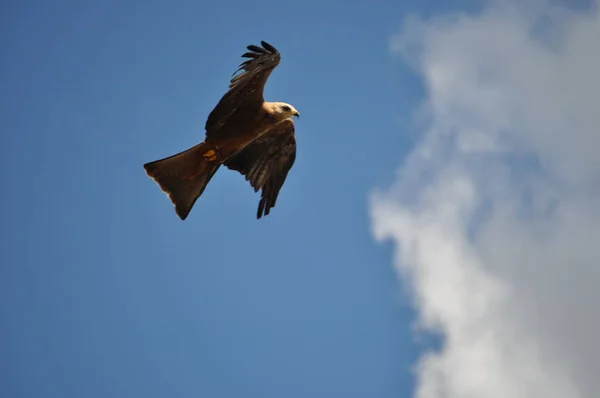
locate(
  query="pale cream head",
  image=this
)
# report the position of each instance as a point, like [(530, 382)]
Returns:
[(282, 110)]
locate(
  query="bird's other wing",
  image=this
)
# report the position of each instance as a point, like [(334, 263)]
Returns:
[(246, 88), (266, 162)]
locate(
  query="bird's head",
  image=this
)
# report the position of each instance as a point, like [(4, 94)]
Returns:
[(285, 110)]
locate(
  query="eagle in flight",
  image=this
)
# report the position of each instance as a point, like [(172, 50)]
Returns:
[(243, 132)]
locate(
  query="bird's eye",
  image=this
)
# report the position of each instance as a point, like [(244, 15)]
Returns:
[(286, 108)]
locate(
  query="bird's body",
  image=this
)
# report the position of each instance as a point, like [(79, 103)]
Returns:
[(244, 133), (244, 127)]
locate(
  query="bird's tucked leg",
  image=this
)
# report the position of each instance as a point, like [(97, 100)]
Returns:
[(210, 155)]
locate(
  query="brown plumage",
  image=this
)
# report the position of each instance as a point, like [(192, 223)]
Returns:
[(243, 132)]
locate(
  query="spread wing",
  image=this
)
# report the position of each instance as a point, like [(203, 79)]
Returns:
[(266, 162), (246, 88)]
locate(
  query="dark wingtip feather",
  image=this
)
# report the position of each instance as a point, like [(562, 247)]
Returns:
[(259, 211), (256, 49), (250, 55), (241, 66), (268, 47)]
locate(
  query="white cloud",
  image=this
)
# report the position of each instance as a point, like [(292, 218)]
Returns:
[(496, 212)]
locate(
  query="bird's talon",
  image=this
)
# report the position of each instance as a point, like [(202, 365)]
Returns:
[(210, 155)]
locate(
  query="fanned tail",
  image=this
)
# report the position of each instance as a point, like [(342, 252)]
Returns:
[(183, 176)]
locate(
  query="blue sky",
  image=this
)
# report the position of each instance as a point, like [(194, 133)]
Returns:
[(104, 292)]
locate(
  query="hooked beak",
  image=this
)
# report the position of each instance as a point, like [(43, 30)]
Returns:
[(297, 114)]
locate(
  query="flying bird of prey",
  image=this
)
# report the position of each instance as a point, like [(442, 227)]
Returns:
[(243, 132)]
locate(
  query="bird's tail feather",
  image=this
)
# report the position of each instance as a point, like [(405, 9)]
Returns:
[(183, 176)]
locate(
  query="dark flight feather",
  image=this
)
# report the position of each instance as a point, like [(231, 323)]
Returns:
[(265, 163)]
